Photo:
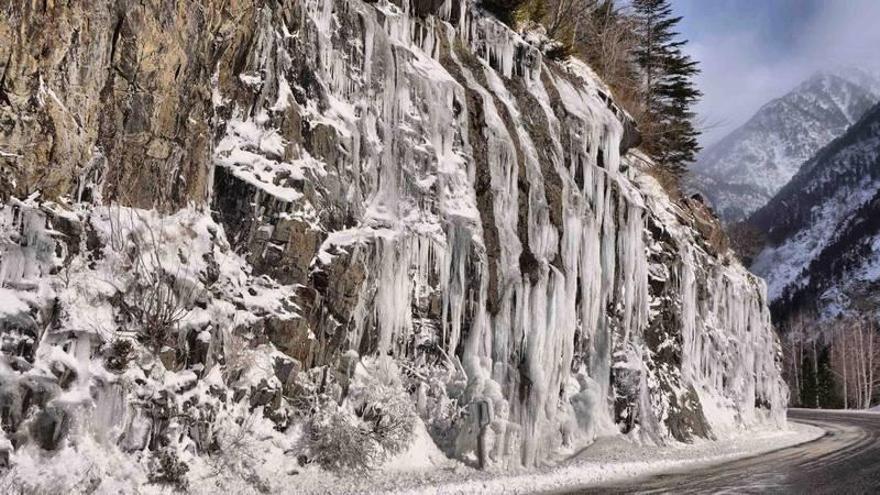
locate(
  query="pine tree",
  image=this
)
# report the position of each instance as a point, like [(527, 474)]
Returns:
[(828, 393), (668, 86), (809, 384)]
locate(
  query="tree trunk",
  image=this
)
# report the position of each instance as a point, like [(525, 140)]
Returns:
[(842, 357), (869, 390), (815, 374)]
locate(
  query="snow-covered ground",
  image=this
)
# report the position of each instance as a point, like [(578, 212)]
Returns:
[(608, 460)]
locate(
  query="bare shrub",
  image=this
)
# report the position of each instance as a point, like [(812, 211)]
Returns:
[(163, 300), (161, 295), (667, 180), (566, 20), (236, 452)]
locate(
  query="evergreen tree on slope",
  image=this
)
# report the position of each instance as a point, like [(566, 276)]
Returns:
[(669, 90)]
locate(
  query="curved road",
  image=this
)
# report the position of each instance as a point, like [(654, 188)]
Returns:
[(844, 461)]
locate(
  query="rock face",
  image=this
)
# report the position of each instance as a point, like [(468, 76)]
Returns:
[(740, 173), (392, 179), (113, 97)]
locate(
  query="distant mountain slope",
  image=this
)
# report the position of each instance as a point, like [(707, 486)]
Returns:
[(866, 78), (740, 173), (823, 227)]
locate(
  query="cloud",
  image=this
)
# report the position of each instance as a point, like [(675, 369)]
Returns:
[(752, 51), (736, 80), (843, 32)]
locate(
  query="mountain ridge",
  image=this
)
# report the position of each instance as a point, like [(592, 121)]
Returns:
[(821, 227), (743, 170)]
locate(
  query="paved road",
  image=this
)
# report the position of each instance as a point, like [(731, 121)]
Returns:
[(845, 461)]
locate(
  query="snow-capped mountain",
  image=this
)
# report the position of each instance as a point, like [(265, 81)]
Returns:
[(740, 173), (823, 227)]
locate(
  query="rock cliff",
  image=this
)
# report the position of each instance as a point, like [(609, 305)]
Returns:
[(218, 211)]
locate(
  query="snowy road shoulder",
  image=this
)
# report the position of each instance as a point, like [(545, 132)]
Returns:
[(604, 465), (610, 461), (607, 461)]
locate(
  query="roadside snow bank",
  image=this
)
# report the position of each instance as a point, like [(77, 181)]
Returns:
[(608, 460), (873, 410)]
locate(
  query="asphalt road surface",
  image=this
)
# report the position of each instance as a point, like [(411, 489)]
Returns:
[(844, 461)]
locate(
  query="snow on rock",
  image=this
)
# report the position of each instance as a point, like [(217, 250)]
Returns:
[(420, 230), (486, 216)]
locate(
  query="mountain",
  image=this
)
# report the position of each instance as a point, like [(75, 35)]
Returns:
[(862, 77), (247, 245), (742, 171), (823, 227)]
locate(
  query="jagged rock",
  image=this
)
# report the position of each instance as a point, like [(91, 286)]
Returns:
[(199, 345), (64, 373), (184, 381), (212, 273), (11, 408), (286, 370), (36, 391), (287, 253), (283, 250), (19, 333), (72, 231), (148, 114), (265, 394), (632, 137), (168, 357), (710, 228), (50, 427), (344, 276), (688, 421), (424, 8), (291, 336), (5, 453)]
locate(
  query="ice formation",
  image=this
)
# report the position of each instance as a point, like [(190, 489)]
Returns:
[(418, 181)]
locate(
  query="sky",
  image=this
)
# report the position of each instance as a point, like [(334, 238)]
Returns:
[(752, 51)]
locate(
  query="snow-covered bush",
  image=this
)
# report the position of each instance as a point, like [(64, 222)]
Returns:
[(374, 422), (338, 441), (166, 468), (119, 354), (379, 399), (437, 389)]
